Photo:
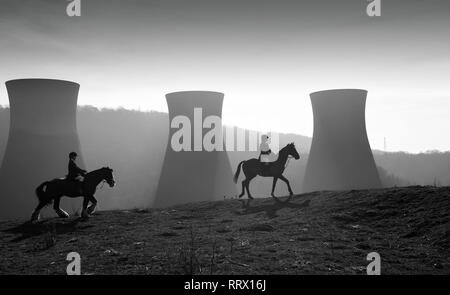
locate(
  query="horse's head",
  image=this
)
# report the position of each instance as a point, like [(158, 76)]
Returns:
[(292, 151), (108, 176)]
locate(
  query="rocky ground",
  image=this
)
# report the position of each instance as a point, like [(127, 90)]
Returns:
[(317, 233)]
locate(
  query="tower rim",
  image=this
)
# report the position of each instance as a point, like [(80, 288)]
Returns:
[(41, 79), (193, 91), (340, 89)]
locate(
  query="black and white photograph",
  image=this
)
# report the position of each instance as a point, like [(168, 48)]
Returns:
[(204, 139)]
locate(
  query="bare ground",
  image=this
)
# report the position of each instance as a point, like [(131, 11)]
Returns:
[(317, 233)]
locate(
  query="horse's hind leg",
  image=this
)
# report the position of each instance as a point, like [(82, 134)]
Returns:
[(247, 186), (243, 189), (61, 213)]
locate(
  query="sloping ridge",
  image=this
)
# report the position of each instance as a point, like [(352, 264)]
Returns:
[(316, 233)]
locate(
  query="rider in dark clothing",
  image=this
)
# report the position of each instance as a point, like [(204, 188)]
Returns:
[(75, 172)]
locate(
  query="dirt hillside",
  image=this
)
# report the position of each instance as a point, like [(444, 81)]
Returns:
[(317, 233)]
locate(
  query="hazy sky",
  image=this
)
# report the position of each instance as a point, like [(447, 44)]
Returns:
[(266, 56)]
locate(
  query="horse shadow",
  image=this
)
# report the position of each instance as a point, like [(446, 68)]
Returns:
[(271, 209), (28, 229)]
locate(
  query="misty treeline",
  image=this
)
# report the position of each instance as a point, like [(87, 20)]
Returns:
[(133, 143)]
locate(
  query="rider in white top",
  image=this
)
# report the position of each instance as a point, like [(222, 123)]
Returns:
[(265, 150)]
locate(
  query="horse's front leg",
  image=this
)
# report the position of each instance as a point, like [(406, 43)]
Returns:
[(61, 213), (35, 216), (91, 208), (288, 185), (84, 212), (274, 184)]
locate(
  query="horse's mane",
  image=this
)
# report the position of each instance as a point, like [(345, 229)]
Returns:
[(98, 170), (284, 148)]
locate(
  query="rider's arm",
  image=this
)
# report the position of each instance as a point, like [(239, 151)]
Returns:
[(82, 171), (77, 169)]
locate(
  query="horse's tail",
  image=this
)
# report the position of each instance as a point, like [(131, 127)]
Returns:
[(236, 175), (41, 193)]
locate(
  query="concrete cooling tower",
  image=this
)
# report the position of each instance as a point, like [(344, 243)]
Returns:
[(41, 135), (192, 176), (340, 156)]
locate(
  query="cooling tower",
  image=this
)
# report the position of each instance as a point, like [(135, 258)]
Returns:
[(340, 157), (41, 135), (192, 176)]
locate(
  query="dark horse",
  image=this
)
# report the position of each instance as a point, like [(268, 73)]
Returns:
[(254, 167), (57, 188)]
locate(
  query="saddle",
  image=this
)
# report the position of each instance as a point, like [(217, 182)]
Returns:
[(268, 156), (265, 167), (77, 184)]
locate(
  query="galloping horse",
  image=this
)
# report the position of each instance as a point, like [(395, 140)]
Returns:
[(55, 189), (254, 167)]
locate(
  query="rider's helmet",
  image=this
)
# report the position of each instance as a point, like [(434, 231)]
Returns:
[(73, 155)]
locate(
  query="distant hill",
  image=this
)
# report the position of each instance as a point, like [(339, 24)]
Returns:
[(431, 168), (317, 233), (133, 143)]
